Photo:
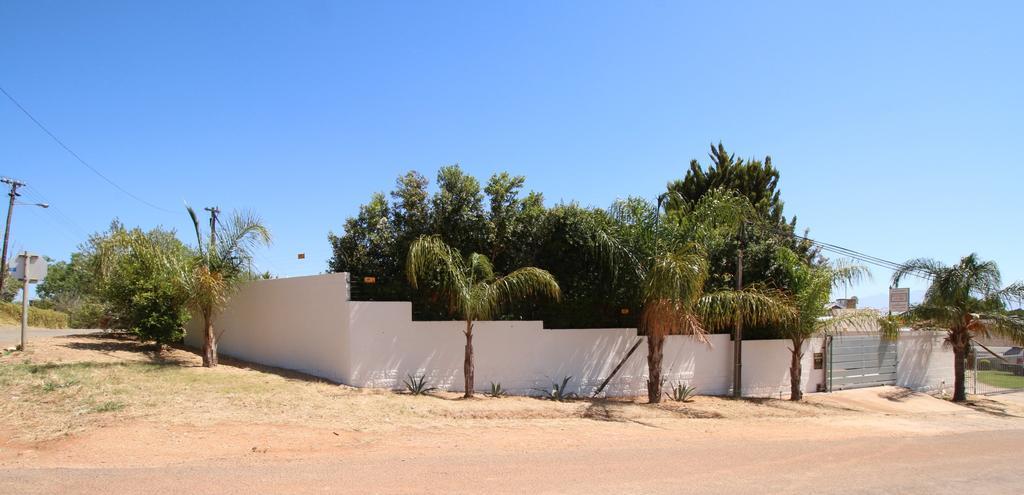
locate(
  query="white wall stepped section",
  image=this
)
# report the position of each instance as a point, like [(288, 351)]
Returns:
[(387, 346), (308, 324)]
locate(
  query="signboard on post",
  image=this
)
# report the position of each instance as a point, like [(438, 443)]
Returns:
[(899, 300), (31, 267)]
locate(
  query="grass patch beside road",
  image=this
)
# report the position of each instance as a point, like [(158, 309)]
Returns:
[(1001, 379)]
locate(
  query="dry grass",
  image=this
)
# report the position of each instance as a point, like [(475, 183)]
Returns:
[(65, 385)]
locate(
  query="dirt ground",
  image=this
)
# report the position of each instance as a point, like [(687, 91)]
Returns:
[(95, 413)]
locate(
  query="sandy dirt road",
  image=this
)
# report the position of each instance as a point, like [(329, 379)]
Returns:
[(622, 459), (180, 428)]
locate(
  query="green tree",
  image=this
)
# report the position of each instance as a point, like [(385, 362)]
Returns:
[(457, 211), (139, 279), (514, 223), (11, 288), (376, 241), (220, 266), (592, 295), (767, 229), (368, 244), (964, 300), (809, 288), (756, 180), (470, 288)]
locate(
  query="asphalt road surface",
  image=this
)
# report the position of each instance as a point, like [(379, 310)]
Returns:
[(11, 336), (974, 462)]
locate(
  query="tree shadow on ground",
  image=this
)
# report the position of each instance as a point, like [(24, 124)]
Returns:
[(899, 395), (989, 406), (108, 343)]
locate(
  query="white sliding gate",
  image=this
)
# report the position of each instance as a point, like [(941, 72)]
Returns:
[(860, 360)]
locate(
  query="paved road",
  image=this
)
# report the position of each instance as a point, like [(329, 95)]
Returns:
[(975, 462), (10, 336)]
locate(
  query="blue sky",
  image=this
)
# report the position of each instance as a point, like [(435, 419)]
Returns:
[(896, 126)]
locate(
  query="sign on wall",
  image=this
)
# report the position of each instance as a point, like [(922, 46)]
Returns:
[(899, 300)]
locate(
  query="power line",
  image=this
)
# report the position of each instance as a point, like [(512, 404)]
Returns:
[(77, 157), (857, 255), (58, 214)]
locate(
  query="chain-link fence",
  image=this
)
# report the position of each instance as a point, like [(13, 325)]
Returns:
[(996, 370)]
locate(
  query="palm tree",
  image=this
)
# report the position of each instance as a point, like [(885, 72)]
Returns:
[(470, 288), (668, 259), (965, 300), (810, 288), (220, 266)]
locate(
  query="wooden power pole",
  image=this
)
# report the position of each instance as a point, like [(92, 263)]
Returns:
[(7, 230), (737, 341)]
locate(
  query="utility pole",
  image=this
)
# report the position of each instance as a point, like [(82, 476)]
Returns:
[(7, 230), (737, 341), (214, 211)]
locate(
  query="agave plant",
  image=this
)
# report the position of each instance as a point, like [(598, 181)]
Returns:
[(682, 392), (558, 391), (497, 391), (418, 385)]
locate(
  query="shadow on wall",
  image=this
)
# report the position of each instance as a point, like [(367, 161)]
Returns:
[(923, 362), (386, 346)]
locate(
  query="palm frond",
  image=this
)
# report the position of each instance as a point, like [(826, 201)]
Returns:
[(1008, 326), (846, 274), (524, 283), (751, 307), (480, 268), (430, 257), (678, 276), (240, 236), (863, 320), (195, 223), (916, 266), (662, 317)]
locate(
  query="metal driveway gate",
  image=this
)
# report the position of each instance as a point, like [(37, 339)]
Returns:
[(858, 361)]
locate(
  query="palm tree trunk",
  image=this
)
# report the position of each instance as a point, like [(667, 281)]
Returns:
[(655, 345), (959, 340), (796, 391), (209, 343), (468, 364)]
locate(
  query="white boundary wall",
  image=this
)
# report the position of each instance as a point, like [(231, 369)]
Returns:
[(295, 323), (308, 324), (923, 362), (386, 346)]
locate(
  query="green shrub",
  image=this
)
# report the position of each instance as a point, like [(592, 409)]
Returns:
[(10, 314), (88, 315), (984, 365)]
